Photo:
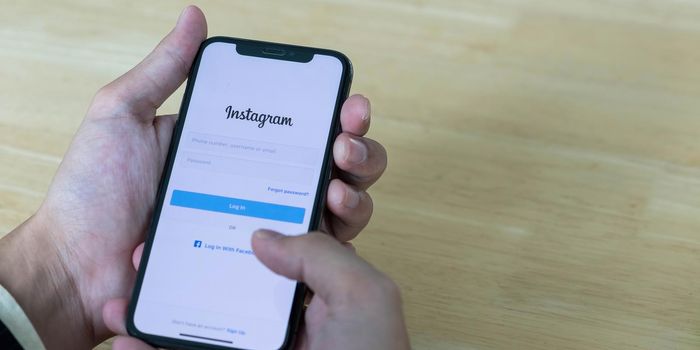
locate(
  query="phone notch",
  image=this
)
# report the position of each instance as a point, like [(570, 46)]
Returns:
[(277, 52)]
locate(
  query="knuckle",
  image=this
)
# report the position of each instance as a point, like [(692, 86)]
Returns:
[(108, 100), (104, 93)]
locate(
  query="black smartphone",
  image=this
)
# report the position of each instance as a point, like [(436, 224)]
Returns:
[(251, 149)]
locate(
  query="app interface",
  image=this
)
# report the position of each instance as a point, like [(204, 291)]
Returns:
[(249, 157)]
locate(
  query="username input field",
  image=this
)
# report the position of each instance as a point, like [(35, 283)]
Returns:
[(247, 168), (259, 150)]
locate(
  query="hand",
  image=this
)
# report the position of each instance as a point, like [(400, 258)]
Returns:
[(354, 305), (73, 255)]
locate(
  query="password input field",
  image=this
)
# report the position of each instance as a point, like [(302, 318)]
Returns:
[(247, 168)]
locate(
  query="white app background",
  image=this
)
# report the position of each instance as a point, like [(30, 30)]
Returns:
[(231, 177)]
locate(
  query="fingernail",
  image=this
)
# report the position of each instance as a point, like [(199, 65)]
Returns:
[(368, 111), (352, 198), (267, 235), (357, 152)]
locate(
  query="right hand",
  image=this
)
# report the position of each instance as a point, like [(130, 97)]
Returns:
[(354, 306)]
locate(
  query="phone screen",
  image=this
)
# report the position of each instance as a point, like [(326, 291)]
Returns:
[(250, 155)]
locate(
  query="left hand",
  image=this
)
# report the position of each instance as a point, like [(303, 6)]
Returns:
[(74, 254)]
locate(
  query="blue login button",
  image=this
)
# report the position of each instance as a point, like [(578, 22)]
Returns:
[(237, 206)]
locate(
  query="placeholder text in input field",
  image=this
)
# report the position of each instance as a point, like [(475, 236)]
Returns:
[(237, 147), (247, 168)]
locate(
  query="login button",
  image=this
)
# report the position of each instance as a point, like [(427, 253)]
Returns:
[(237, 206)]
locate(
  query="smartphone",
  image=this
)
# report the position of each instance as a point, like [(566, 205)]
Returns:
[(251, 149)]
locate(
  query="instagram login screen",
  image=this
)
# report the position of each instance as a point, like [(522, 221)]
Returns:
[(249, 157)]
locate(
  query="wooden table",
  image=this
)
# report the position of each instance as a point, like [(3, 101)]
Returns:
[(543, 189)]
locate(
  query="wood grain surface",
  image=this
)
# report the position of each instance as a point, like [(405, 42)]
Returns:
[(543, 189)]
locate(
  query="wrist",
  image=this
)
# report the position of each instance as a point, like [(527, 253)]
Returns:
[(33, 271)]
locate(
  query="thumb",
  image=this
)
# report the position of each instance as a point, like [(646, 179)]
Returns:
[(332, 271), (144, 88)]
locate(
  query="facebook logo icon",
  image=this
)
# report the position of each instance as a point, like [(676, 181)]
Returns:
[(197, 244)]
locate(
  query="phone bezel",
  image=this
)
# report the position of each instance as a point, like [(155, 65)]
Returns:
[(251, 48)]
